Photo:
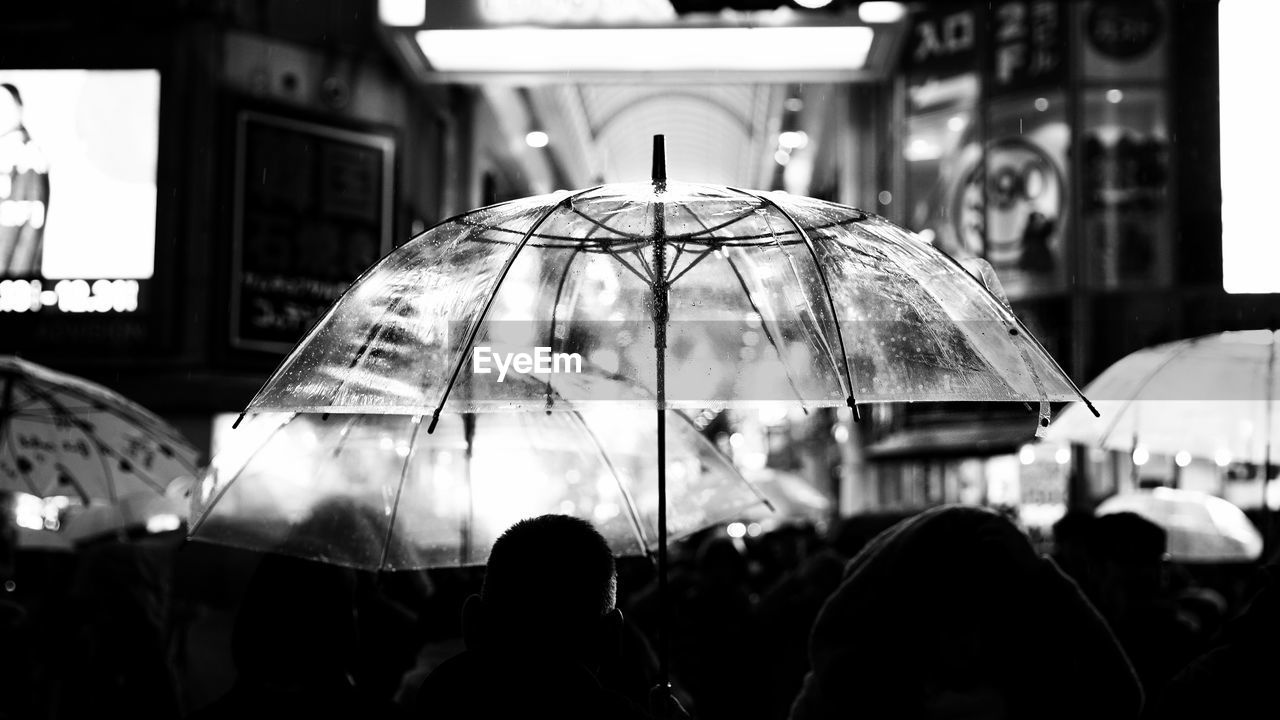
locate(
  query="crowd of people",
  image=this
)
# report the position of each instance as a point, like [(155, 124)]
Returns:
[(946, 613)]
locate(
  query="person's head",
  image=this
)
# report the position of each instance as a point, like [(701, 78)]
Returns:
[(1127, 554), (1072, 538), (550, 583), (10, 108)]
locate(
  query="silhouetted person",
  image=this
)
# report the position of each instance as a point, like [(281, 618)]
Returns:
[(713, 640), (1126, 582), (952, 614), (1072, 538), (117, 661), (1236, 679), (1036, 256), (784, 617), (538, 632), (15, 659), (294, 645)]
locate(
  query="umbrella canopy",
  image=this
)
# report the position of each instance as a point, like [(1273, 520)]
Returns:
[(1201, 527), (63, 435), (792, 499), (377, 492), (748, 298), (1210, 396)]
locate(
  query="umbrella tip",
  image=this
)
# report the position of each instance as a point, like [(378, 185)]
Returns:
[(1089, 405), (659, 160), (236, 424), (435, 418), (853, 405)]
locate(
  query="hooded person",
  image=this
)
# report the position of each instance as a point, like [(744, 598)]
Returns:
[(951, 614)]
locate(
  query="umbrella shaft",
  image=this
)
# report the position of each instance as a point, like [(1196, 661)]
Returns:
[(661, 314)]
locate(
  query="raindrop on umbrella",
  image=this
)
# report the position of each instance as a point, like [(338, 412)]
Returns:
[(125, 465), (24, 464)]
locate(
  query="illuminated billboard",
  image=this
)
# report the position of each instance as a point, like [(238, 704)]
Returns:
[(78, 152)]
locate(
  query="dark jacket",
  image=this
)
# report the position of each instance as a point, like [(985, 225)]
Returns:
[(952, 612), (1236, 679), (479, 686)]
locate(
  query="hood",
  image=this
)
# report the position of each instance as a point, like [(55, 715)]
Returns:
[(954, 602)]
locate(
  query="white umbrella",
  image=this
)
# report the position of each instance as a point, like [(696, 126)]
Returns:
[(1201, 527), (64, 435)]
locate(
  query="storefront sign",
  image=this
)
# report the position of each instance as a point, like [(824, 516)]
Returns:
[(312, 211), (1124, 30), (940, 59), (942, 43), (1027, 47)]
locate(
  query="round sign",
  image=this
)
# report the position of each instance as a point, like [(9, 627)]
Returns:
[(1124, 29)]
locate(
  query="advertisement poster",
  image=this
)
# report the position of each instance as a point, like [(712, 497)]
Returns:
[(313, 210), (1005, 199), (78, 151), (1023, 188)]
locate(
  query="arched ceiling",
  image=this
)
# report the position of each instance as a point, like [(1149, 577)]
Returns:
[(714, 133)]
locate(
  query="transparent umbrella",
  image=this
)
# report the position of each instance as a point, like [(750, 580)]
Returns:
[(377, 492), (1211, 396), (704, 296)]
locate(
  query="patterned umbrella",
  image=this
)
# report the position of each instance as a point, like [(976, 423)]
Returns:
[(64, 435)]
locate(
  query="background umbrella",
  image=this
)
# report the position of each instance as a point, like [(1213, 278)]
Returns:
[(63, 435), (1211, 396), (791, 497), (377, 492), (705, 296), (1201, 527), (136, 512)]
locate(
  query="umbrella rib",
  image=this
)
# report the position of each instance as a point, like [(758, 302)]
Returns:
[(756, 309), (1001, 308), (208, 509), (375, 332), (1266, 452), (555, 307), (768, 334), (826, 287), (395, 504), (644, 277), (701, 256), (627, 500), (345, 432), (601, 225), (1111, 427), (567, 201), (707, 230), (555, 310)]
